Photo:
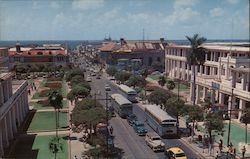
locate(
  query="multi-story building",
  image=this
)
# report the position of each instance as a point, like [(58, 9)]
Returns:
[(147, 52), (4, 59), (13, 108), (48, 54), (224, 77)]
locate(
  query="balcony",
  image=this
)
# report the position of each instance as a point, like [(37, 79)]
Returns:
[(236, 60), (178, 58)]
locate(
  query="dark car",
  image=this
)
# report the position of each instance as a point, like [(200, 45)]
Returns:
[(140, 128), (131, 119)]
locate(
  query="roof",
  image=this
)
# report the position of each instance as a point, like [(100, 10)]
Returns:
[(176, 150), (4, 76), (108, 47), (158, 112), (3, 48), (121, 100), (38, 53), (214, 47)]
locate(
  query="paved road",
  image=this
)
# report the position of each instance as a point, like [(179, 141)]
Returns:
[(133, 145)]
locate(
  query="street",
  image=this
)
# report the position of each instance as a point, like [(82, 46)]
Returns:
[(134, 146)]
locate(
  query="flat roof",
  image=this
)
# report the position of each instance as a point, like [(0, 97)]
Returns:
[(215, 47)]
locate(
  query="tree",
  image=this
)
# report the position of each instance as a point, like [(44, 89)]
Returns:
[(21, 68), (70, 96), (213, 121), (162, 81), (196, 56), (55, 100), (76, 79), (174, 106), (170, 85), (111, 71), (55, 145), (122, 76), (159, 97), (79, 91), (73, 73), (136, 80), (144, 72), (157, 66), (207, 103), (245, 118)]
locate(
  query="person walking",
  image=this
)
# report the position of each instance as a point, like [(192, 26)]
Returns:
[(243, 151), (111, 130)]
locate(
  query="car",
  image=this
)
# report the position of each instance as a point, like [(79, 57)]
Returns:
[(140, 128), (107, 87), (131, 119), (175, 153), (153, 140), (98, 77), (88, 79)]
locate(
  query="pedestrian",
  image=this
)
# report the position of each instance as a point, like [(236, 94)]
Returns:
[(220, 147), (234, 152), (111, 130), (29, 91), (243, 151)]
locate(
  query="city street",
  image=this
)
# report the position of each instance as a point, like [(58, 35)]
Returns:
[(133, 145)]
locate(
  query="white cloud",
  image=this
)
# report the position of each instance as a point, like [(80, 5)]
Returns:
[(233, 1), (87, 4), (54, 5), (184, 3), (216, 12)]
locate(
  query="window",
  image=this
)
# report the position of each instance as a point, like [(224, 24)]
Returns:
[(150, 60), (39, 53), (181, 52), (159, 59)]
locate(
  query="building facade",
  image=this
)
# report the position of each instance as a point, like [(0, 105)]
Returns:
[(147, 52), (4, 59), (13, 108), (224, 78), (53, 54)]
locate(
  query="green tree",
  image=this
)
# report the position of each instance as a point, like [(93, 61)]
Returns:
[(170, 85), (122, 76), (207, 103), (79, 91), (162, 81), (212, 122), (136, 80), (76, 79), (174, 107), (111, 71), (70, 96), (196, 56), (245, 118), (159, 97), (157, 66), (55, 145), (55, 100), (73, 73), (21, 68), (144, 72)]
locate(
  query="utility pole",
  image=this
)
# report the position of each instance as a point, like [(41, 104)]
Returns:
[(230, 115)]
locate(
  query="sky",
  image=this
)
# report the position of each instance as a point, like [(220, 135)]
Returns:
[(95, 19)]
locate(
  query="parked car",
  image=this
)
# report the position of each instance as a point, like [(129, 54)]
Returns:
[(153, 140), (88, 79), (175, 153), (107, 87), (131, 119), (139, 128)]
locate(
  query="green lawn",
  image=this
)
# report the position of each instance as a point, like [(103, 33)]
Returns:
[(38, 106), (41, 143), (183, 87), (154, 77), (46, 121)]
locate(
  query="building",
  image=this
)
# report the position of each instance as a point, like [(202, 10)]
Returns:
[(13, 108), (4, 59), (224, 77), (147, 52), (48, 54)]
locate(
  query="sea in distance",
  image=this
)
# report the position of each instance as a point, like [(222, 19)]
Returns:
[(72, 44)]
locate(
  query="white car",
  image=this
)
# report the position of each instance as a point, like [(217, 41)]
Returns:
[(107, 87), (153, 140)]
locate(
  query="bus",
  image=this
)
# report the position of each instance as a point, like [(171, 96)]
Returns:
[(121, 105), (160, 121), (128, 92)]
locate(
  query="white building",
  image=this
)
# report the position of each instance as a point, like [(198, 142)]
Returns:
[(13, 108), (225, 72)]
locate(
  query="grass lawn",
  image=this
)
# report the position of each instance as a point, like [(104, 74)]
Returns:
[(46, 121), (38, 106), (183, 87), (41, 143), (154, 77)]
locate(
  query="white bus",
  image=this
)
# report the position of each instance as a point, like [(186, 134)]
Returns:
[(121, 105), (160, 121), (128, 92)]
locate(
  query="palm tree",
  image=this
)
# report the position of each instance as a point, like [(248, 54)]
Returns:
[(196, 57), (55, 145), (55, 100)]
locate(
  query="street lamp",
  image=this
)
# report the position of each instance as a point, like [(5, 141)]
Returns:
[(230, 115)]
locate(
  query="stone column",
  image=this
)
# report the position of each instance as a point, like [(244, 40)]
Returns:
[(230, 107), (244, 81), (5, 133), (205, 70), (241, 107), (204, 92), (197, 99), (9, 122), (221, 98), (201, 70), (1, 139), (233, 79), (183, 70), (212, 96)]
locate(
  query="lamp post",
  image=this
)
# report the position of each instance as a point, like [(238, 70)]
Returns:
[(230, 115)]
